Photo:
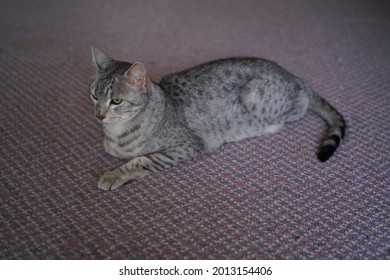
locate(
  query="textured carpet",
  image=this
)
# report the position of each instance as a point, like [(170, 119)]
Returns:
[(261, 198)]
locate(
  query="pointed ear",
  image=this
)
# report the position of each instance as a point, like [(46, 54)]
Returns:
[(100, 59), (137, 75)]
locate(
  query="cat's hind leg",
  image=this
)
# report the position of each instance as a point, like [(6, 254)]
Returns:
[(274, 103)]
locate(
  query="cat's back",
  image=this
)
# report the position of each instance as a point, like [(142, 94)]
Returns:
[(222, 70), (220, 81), (216, 78), (208, 96)]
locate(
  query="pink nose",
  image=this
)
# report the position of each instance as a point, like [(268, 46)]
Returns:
[(100, 117)]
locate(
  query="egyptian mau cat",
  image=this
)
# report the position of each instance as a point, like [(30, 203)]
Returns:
[(156, 126)]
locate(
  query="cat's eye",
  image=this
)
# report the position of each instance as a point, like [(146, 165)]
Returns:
[(94, 97), (116, 101)]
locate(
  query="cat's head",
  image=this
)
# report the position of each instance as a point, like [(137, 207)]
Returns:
[(119, 90)]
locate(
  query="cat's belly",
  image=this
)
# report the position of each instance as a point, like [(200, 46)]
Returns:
[(215, 139)]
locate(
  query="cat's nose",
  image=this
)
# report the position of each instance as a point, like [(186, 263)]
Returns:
[(100, 117)]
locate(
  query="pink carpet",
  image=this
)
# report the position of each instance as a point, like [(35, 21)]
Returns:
[(261, 198)]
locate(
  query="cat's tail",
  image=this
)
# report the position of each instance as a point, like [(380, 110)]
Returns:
[(337, 126)]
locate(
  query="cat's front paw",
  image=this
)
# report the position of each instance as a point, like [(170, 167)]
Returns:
[(111, 180)]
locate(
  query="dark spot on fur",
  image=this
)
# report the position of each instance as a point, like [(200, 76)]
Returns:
[(326, 152), (342, 129)]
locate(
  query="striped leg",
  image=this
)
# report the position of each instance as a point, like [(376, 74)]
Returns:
[(138, 168)]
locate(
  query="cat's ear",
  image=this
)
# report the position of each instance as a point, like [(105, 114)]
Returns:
[(100, 59), (137, 76)]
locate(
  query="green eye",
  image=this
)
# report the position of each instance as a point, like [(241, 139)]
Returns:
[(116, 101)]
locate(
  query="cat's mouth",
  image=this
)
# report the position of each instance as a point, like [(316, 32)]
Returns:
[(108, 120)]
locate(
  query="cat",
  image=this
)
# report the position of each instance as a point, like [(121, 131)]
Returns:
[(156, 126)]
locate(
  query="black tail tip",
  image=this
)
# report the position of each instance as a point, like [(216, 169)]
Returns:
[(326, 152)]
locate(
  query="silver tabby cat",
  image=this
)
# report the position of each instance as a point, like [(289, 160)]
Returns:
[(156, 126)]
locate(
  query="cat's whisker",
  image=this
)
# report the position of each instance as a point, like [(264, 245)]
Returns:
[(128, 130)]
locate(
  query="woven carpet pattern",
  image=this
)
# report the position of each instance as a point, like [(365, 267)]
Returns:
[(260, 198)]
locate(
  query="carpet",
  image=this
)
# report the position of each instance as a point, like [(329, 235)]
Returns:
[(260, 198)]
